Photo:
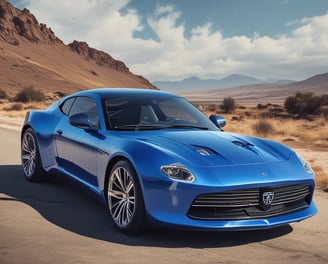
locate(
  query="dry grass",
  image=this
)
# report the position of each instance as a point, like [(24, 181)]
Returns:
[(320, 176), (297, 132), (14, 107), (309, 135), (263, 128)]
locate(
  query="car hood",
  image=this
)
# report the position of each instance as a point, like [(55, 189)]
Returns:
[(215, 148)]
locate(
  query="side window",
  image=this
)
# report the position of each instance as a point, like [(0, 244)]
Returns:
[(86, 106), (66, 106)]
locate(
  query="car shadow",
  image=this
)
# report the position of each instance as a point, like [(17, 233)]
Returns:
[(70, 208)]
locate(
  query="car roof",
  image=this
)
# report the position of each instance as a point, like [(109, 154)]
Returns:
[(118, 92)]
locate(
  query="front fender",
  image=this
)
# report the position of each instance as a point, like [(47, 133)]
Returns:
[(144, 157)]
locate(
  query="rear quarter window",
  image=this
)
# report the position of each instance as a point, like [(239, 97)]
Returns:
[(67, 105)]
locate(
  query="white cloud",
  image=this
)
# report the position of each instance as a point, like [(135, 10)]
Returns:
[(110, 26), (208, 54), (104, 24)]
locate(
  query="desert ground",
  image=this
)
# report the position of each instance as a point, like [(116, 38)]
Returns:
[(54, 222)]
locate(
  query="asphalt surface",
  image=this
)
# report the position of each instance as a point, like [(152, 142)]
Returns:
[(54, 222)]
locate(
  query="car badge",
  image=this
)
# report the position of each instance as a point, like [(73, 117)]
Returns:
[(267, 198)]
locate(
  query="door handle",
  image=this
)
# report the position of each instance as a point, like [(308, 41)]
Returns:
[(59, 131)]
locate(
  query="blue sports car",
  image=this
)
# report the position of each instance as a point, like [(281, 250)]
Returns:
[(153, 157)]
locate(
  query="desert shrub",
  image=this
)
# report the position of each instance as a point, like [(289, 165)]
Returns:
[(60, 94), (277, 110), (261, 106), (248, 114), (263, 128), (15, 107), (228, 105), (324, 100), (33, 106), (211, 108), (234, 118), (29, 94), (324, 114), (3, 94), (304, 104)]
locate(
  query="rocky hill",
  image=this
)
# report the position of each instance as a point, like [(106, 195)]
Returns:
[(32, 55)]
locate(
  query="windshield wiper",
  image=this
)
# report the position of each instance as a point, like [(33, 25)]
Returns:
[(138, 127), (157, 127)]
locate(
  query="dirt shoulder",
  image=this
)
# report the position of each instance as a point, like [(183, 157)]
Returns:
[(12, 123)]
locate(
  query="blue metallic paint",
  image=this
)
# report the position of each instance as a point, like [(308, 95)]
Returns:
[(235, 162)]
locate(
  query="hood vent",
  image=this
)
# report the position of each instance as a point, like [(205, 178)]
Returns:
[(205, 151), (244, 144)]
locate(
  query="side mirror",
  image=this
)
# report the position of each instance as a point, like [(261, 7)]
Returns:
[(82, 121), (219, 121)]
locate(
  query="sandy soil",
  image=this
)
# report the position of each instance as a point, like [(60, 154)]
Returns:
[(12, 123)]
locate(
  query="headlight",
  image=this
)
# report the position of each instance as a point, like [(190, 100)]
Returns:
[(305, 165), (178, 172)]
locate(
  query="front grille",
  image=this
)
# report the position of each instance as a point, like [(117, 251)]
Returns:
[(248, 203)]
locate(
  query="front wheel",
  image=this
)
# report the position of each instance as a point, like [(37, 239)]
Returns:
[(30, 156), (124, 197)]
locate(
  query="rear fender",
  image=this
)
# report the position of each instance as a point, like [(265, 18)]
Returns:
[(43, 124)]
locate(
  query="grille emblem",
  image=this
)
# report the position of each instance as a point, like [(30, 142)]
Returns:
[(267, 198)]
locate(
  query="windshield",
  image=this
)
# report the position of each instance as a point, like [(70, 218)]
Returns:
[(151, 113)]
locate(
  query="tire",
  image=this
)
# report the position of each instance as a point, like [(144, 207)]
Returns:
[(124, 198), (30, 156)]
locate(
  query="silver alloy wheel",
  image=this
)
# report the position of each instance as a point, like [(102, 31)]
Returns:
[(28, 154), (121, 196)]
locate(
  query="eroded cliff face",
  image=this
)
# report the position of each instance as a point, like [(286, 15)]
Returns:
[(22, 35), (16, 24), (100, 57)]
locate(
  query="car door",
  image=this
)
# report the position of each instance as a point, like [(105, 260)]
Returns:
[(77, 147)]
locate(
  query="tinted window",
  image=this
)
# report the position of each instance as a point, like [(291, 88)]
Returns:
[(88, 106), (66, 106), (152, 112)]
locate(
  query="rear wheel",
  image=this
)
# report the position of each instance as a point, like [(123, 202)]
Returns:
[(125, 201), (30, 156)]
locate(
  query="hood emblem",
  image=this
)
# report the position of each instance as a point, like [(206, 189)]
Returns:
[(264, 173), (267, 198)]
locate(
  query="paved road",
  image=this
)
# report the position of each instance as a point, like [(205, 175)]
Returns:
[(55, 223)]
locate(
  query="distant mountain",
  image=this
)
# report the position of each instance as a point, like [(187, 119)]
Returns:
[(263, 92), (32, 55), (315, 83), (279, 81), (235, 80), (194, 83)]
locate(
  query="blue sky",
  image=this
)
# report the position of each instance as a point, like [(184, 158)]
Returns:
[(176, 39), (239, 17)]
